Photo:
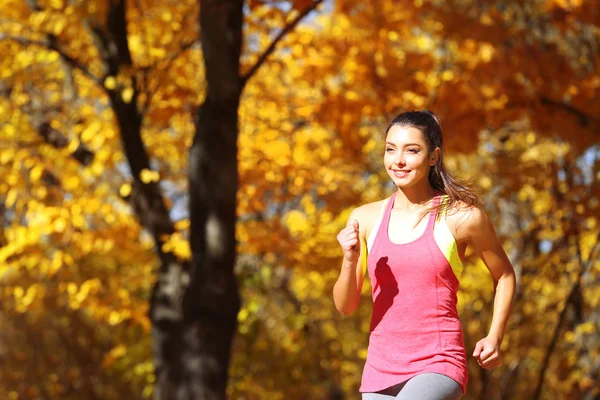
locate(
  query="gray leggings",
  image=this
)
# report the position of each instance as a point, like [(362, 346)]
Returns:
[(427, 386)]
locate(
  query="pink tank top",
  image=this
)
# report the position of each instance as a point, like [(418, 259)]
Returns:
[(415, 326)]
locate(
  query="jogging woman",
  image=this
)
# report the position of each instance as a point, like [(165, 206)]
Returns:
[(412, 245)]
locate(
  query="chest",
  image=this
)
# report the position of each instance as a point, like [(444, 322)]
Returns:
[(405, 227)]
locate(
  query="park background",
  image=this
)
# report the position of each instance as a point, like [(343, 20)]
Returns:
[(118, 164)]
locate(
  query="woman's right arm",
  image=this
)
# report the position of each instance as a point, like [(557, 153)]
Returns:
[(346, 291)]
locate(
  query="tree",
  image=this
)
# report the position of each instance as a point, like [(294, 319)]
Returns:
[(89, 229), (194, 304)]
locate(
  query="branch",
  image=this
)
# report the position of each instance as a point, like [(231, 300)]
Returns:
[(585, 120), (571, 299), (116, 24), (56, 139), (53, 45), (106, 48), (592, 256), (147, 198), (145, 70), (171, 57), (554, 340), (280, 36)]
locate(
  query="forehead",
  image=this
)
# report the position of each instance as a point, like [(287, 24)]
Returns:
[(399, 134)]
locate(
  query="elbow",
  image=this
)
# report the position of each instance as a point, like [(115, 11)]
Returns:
[(510, 275), (346, 308), (507, 275), (347, 311)]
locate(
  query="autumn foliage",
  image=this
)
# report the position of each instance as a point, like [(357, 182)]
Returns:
[(516, 85)]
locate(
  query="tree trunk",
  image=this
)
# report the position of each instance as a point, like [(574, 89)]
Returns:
[(192, 348), (194, 305)]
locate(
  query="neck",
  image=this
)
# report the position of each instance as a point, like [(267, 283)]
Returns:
[(413, 198)]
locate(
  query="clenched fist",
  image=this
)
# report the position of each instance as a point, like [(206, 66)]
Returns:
[(350, 242), (487, 353)]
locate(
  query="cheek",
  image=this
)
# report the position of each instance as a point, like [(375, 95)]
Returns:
[(416, 160)]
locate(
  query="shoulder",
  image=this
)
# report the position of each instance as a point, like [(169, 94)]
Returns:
[(367, 215), (368, 212), (467, 222)]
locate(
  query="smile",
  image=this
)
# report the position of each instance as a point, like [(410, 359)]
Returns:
[(400, 173)]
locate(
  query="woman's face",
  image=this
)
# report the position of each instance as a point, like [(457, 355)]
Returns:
[(407, 159)]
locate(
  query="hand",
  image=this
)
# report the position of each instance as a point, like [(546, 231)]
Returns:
[(487, 353), (348, 239)]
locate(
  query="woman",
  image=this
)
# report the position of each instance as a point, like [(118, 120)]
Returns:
[(412, 245)]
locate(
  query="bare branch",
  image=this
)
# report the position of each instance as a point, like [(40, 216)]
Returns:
[(280, 36)]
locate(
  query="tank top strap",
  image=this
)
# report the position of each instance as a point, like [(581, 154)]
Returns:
[(433, 213), (388, 212), (381, 235)]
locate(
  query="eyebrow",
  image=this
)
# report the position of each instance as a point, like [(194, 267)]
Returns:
[(406, 145)]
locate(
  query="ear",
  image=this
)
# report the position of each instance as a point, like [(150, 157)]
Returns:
[(434, 156)]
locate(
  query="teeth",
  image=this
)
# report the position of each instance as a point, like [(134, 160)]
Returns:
[(401, 173)]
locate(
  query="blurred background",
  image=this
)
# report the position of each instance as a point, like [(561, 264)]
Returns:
[(515, 83)]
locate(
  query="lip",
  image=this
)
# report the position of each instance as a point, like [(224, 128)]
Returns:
[(400, 173)]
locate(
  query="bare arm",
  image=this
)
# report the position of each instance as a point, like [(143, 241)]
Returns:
[(346, 291), (482, 237)]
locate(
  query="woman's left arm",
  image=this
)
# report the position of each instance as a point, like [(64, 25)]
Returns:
[(482, 237)]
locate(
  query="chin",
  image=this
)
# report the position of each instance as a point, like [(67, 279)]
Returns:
[(402, 183)]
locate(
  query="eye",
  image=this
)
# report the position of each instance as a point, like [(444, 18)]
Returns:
[(389, 149), (414, 151)]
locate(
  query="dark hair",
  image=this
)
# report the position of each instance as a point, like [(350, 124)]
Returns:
[(441, 181)]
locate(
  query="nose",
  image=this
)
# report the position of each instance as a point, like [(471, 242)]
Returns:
[(399, 159)]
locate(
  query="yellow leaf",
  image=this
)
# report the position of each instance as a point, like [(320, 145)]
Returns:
[(60, 225), (18, 292), (485, 182), (243, 314), (6, 155), (36, 173), (362, 354), (157, 52), (72, 146), (182, 224), (11, 198), (127, 95), (40, 192), (71, 183), (57, 263), (114, 318), (71, 288), (296, 222), (352, 95), (148, 176), (486, 51), (182, 250), (125, 190), (570, 337), (588, 327), (117, 352), (110, 83)]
